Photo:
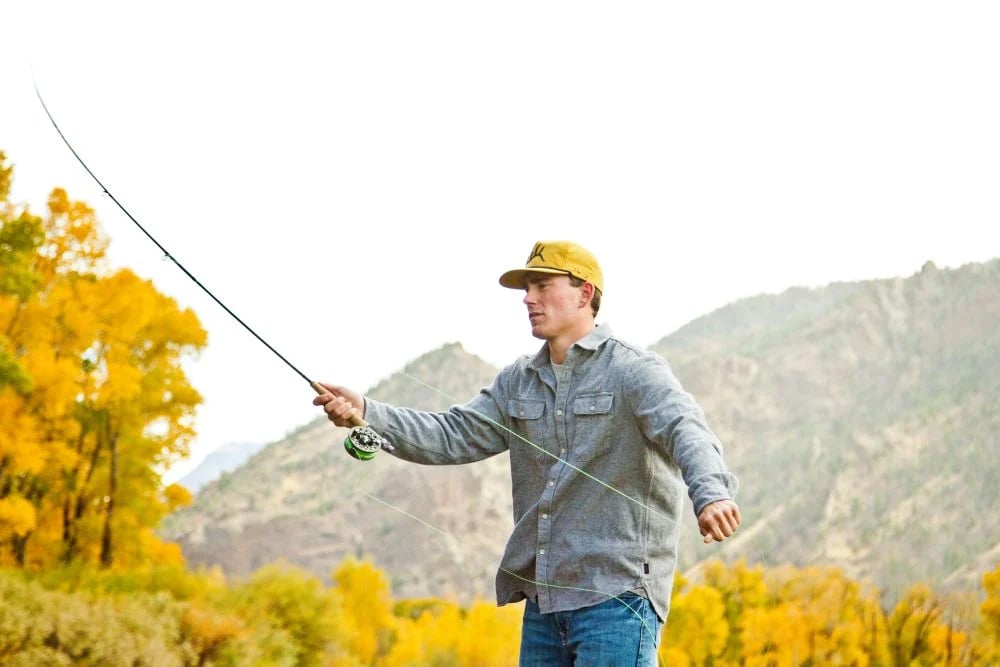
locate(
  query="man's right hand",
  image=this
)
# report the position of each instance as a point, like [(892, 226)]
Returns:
[(340, 403)]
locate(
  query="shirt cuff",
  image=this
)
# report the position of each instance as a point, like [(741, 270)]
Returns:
[(712, 487)]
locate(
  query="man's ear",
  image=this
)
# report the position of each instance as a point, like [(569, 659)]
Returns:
[(586, 294)]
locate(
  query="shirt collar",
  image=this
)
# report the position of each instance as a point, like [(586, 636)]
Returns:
[(593, 340)]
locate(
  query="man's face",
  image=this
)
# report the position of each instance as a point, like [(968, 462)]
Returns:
[(553, 305)]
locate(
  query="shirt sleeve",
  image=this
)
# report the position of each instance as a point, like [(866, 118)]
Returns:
[(671, 418), (461, 434)]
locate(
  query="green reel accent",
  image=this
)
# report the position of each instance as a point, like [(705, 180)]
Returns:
[(362, 443)]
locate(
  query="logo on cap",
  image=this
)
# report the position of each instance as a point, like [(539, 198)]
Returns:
[(536, 252)]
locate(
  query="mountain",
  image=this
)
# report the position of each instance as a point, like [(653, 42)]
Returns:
[(225, 458), (861, 418), (304, 500)]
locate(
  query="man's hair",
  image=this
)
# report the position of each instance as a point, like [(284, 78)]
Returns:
[(595, 303)]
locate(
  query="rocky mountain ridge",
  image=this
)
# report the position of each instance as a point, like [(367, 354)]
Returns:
[(861, 418)]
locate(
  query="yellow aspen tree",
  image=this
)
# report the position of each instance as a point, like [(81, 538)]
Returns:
[(57, 328), (743, 588), (363, 592), (432, 639), (988, 646), (910, 626), (73, 243), (17, 516), (948, 646), (698, 628), (40, 409), (130, 410), (771, 637), (490, 635), (808, 616), (92, 392), (831, 611), (407, 647), (22, 450), (140, 408)]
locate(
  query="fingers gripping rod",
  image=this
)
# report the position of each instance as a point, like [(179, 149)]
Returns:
[(362, 440)]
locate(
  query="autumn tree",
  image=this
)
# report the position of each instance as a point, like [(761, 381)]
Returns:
[(362, 591), (743, 590), (303, 614), (697, 632), (990, 610), (93, 397)]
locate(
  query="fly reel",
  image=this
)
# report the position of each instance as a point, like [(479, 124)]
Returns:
[(362, 442)]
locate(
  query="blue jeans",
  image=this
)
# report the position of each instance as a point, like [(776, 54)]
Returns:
[(619, 632)]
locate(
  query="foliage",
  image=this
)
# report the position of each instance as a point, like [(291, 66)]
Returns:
[(726, 616), (93, 402), (93, 398), (989, 632), (817, 616)]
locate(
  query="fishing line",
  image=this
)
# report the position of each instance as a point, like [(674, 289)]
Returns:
[(645, 625), (412, 516), (367, 440), (550, 454), (458, 542), (168, 255), (772, 596)]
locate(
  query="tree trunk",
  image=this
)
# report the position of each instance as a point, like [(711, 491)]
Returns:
[(107, 542), (76, 500), (19, 544)]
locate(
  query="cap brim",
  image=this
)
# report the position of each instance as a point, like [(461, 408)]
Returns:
[(514, 279)]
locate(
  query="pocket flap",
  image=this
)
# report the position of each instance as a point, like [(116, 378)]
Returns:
[(525, 408), (592, 404)]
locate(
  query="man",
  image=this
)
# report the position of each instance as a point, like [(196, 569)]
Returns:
[(602, 442)]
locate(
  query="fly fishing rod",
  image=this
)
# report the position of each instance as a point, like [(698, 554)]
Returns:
[(362, 442)]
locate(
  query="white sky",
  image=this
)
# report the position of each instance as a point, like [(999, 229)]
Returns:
[(351, 178)]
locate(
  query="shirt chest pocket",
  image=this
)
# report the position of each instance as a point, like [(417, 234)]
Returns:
[(528, 420), (593, 417)]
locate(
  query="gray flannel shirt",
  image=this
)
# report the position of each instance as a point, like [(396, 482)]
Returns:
[(599, 462)]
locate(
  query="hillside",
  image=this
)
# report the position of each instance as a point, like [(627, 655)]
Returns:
[(861, 418), (304, 500)]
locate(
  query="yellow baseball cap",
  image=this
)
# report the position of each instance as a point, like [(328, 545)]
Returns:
[(559, 257)]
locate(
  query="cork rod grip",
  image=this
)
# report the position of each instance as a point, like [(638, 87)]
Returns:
[(355, 418)]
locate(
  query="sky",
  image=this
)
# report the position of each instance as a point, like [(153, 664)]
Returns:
[(352, 178)]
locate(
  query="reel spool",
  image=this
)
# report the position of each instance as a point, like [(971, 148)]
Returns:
[(362, 442)]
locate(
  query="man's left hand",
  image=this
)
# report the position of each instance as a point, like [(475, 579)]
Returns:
[(718, 520)]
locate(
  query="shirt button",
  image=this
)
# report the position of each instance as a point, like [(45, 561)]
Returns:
[(593, 407), (541, 552), (522, 413), (545, 516), (563, 451), (559, 412), (551, 483)]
